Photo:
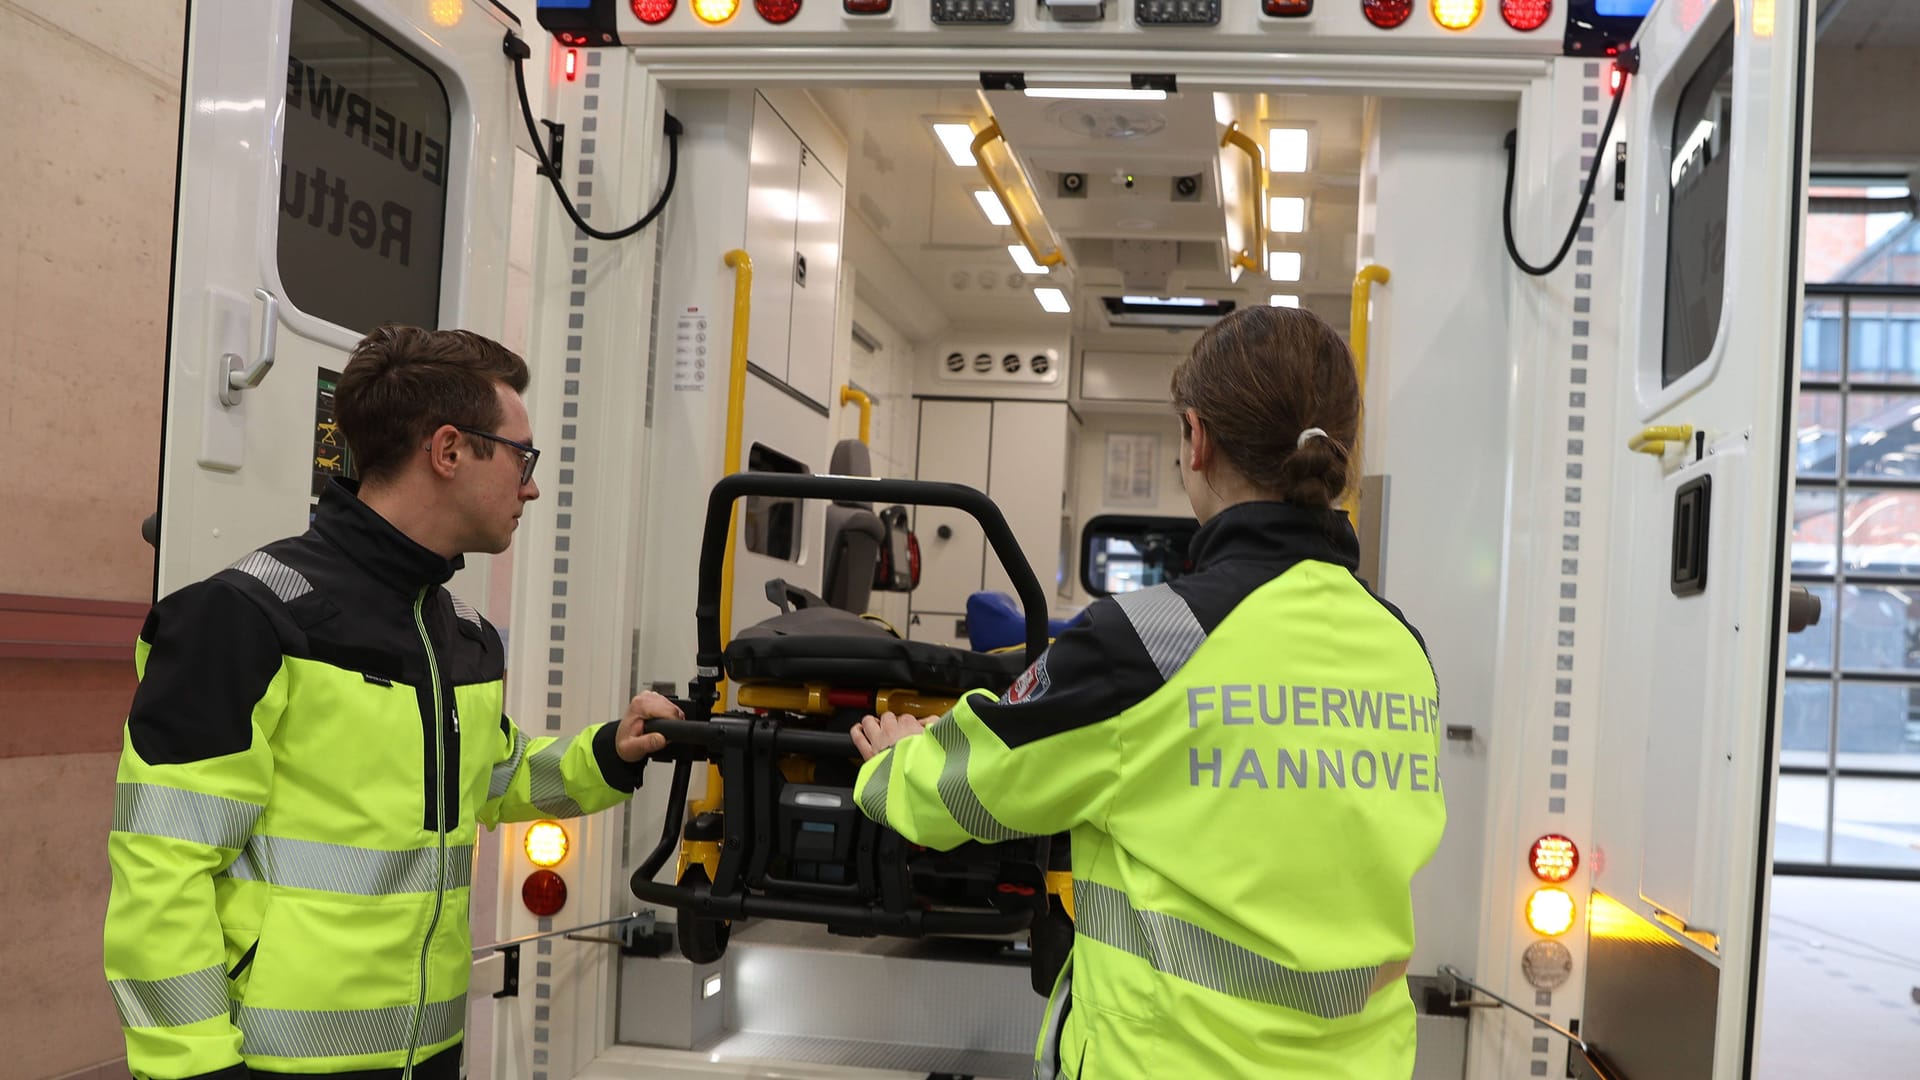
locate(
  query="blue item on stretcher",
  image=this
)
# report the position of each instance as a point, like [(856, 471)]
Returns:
[(995, 621)]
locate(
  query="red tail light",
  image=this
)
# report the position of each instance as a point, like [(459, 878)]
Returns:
[(1526, 14), (653, 12), (1387, 14), (1286, 9), (777, 11), (544, 893), (1553, 858)]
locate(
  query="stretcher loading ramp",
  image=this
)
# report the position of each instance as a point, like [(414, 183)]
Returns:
[(788, 994)]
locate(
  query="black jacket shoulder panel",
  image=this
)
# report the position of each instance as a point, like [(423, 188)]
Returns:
[(213, 650), (1091, 673)]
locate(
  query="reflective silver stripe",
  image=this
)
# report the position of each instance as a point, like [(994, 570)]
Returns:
[(175, 1002), (156, 810), (1185, 951), (503, 772), (547, 785), (465, 610), (302, 1033), (956, 791), (284, 580), (1165, 624), (873, 797), (336, 868)]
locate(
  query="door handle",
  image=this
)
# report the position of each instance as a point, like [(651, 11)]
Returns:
[(240, 376)]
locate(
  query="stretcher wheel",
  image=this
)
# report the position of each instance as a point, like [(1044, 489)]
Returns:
[(1052, 939), (702, 940)]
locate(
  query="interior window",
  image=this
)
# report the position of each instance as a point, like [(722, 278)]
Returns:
[(1124, 552), (363, 175), (1697, 222), (773, 525)]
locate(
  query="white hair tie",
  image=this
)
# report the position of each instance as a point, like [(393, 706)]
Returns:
[(1310, 433)]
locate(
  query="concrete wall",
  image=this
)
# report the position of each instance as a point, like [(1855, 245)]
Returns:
[(90, 109)]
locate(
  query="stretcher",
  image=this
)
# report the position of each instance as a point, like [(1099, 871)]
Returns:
[(777, 834)]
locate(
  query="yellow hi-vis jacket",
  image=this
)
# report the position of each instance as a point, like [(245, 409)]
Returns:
[(1247, 760), (316, 734)]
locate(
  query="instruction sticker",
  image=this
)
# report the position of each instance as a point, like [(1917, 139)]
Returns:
[(329, 449), (690, 349), (1130, 467)]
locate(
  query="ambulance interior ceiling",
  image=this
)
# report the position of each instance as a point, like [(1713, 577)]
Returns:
[(1159, 238)]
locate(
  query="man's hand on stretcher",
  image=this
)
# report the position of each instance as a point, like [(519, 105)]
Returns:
[(877, 733), (634, 742)]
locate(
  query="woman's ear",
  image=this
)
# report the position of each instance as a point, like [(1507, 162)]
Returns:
[(1196, 447)]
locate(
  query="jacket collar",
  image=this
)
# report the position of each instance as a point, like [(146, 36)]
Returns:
[(1276, 532), (371, 541)]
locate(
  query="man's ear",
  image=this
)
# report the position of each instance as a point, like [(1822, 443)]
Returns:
[(443, 450)]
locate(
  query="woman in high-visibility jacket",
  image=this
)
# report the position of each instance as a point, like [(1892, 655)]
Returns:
[(1246, 757)]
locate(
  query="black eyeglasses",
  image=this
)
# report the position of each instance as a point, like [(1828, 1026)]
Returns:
[(529, 456)]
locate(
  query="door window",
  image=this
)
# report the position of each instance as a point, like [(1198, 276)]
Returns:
[(363, 175)]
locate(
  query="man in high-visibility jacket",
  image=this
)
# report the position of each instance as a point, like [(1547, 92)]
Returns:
[(317, 733), (1246, 758)]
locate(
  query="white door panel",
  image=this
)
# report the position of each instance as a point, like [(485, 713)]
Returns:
[(371, 168), (1682, 821)]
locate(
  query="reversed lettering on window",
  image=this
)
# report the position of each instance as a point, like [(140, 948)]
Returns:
[(363, 177)]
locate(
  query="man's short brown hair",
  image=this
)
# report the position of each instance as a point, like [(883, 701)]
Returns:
[(402, 382)]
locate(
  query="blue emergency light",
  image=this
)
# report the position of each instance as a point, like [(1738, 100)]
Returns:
[(1603, 27)]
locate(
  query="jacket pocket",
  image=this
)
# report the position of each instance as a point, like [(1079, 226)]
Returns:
[(241, 973)]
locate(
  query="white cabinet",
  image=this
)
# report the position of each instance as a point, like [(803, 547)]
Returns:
[(953, 448), (1026, 477), (816, 280), (1016, 452), (794, 212)]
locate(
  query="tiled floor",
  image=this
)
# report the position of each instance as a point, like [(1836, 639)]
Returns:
[(1843, 962)]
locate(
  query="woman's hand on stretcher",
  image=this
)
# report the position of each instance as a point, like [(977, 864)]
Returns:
[(877, 733)]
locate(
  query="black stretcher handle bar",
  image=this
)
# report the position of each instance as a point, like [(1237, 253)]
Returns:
[(676, 809), (710, 734), (701, 901), (713, 547)]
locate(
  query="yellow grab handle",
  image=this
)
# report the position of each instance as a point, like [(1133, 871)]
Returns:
[(852, 395), (1257, 157), (1654, 440), (713, 799), (986, 135), (1359, 320)]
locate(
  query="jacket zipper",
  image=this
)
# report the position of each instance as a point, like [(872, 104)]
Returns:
[(440, 831)]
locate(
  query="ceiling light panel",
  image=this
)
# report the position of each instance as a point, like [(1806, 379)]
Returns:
[(1287, 150), (958, 141), (1287, 214), (990, 206)]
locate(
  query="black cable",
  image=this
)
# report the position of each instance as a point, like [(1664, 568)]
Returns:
[(1628, 64), (518, 51)]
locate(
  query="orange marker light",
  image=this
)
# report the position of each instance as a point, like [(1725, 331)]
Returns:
[(1456, 14), (1550, 911), (715, 12)]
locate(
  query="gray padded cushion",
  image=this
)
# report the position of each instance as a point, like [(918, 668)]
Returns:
[(850, 458), (853, 555)]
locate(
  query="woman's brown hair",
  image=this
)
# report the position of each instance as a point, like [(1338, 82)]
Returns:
[(1258, 379)]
